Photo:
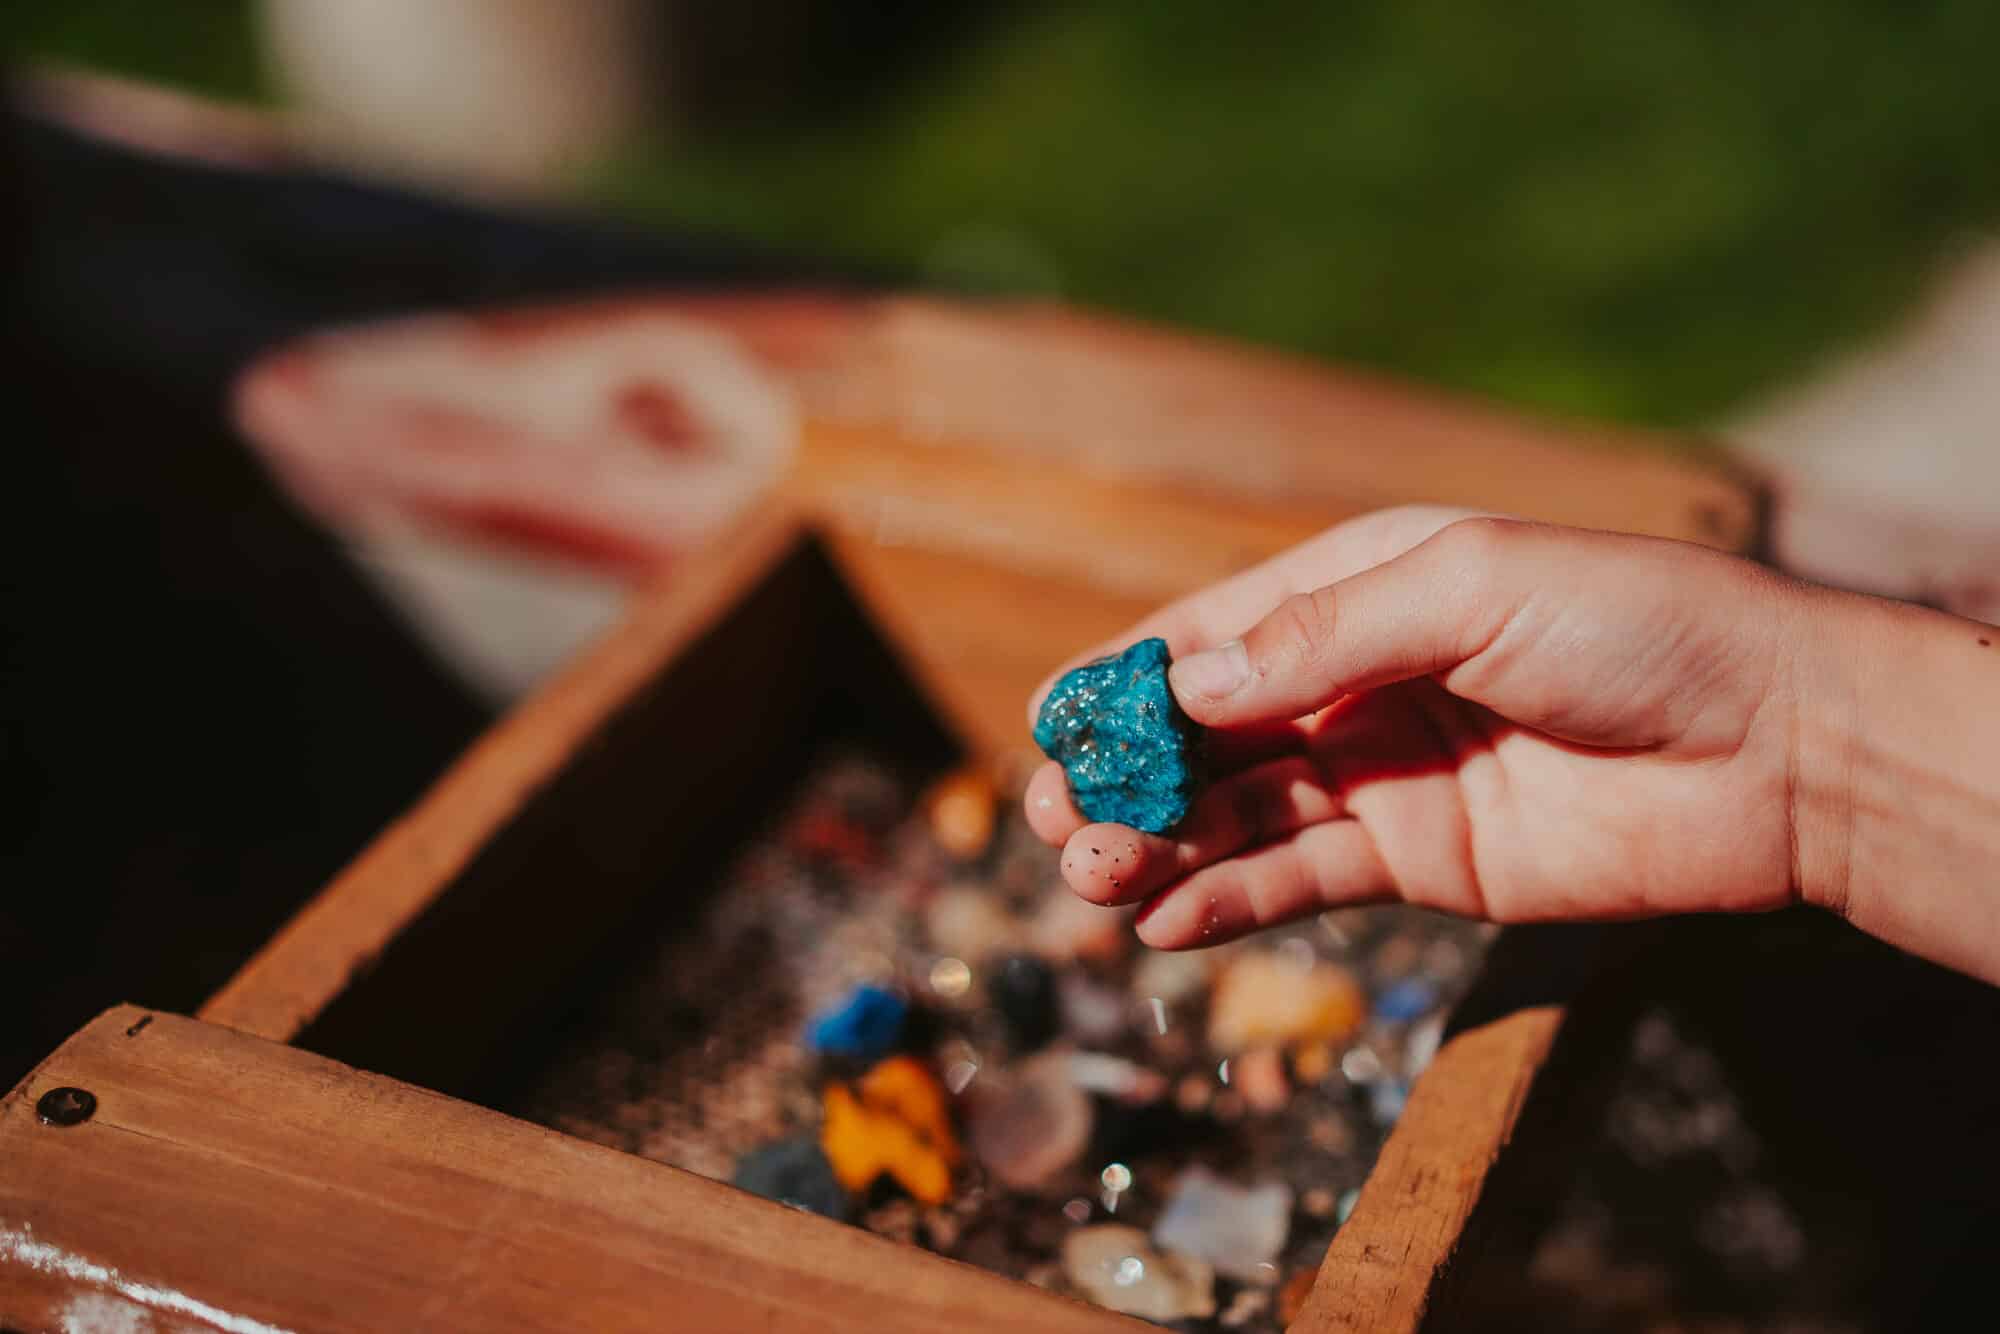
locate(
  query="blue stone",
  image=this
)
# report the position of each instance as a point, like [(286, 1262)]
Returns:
[(865, 1026), (794, 1172), (1386, 1100), (1406, 1001), (1131, 756)]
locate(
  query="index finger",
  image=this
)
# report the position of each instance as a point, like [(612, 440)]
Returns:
[(1223, 611)]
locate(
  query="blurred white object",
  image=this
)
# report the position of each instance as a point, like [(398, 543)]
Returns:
[(493, 93), (1885, 471), (505, 478)]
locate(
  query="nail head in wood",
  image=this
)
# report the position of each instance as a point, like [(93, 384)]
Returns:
[(66, 1106)]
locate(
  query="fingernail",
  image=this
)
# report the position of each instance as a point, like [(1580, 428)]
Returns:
[(1213, 673)]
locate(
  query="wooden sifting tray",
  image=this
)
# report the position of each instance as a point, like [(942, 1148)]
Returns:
[(306, 1153)]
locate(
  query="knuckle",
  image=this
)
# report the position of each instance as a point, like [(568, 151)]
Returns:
[(1481, 539), (1304, 624)]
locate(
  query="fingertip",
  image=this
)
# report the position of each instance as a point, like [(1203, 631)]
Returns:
[(1151, 934), (1051, 814), (1188, 917), (1102, 862), (1207, 683)]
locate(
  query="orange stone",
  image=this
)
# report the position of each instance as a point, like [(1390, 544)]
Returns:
[(896, 1120), (962, 809), (1263, 999), (903, 1087)]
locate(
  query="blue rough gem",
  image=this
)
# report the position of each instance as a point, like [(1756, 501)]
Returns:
[(794, 1172), (1131, 755), (865, 1026), (1410, 999)]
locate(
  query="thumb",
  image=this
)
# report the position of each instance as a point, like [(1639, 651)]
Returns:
[(1426, 611)]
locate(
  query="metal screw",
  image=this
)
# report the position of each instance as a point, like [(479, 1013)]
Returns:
[(66, 1106)]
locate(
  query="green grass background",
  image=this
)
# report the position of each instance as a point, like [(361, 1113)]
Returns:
[(1631, 209)]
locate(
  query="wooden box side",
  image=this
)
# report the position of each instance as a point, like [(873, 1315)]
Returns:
[(1139, 403), (333, 1200)]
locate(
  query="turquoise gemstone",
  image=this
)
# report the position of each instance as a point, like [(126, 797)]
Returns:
[(1131, 755)]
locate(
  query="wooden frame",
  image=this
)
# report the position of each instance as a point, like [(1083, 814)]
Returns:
[(369, 1198)]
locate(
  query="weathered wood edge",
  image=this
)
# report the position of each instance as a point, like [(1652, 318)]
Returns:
[(330, 1199), (1388, 1258), (293, 978)]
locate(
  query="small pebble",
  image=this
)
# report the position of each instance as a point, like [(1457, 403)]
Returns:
[(951, 977), (1260, 1078), (865, 1026), (1116, 1077), (967, 923), (1330, 1134), (1171, 976), (896, 1219), (1029, 1122), (830, 836), (895, 1121), (1361, 1066), (942, 1228), (1406, 1001), (1191, 1095), (1444, 960), (1261, 998), (1023, 989), (794, 1172), (1318, 1202), (1386, 1100), (1115, 1266), (1395, 957), (1340, 926), (1313, 1062), (1091, 1012), (962, 809), (960, 1062), (1297, 953), (902, 1087), (862, 1144), (1245, 1306), (1239, 1230), (1422, 1047)]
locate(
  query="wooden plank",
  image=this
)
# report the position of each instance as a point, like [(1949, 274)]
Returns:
[(1387, 1260), (1132, 402), (311, 961), (1149, 541), (230, 1183), (978, 636)]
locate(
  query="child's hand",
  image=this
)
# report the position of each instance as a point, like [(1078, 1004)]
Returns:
[(1484, 716)]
